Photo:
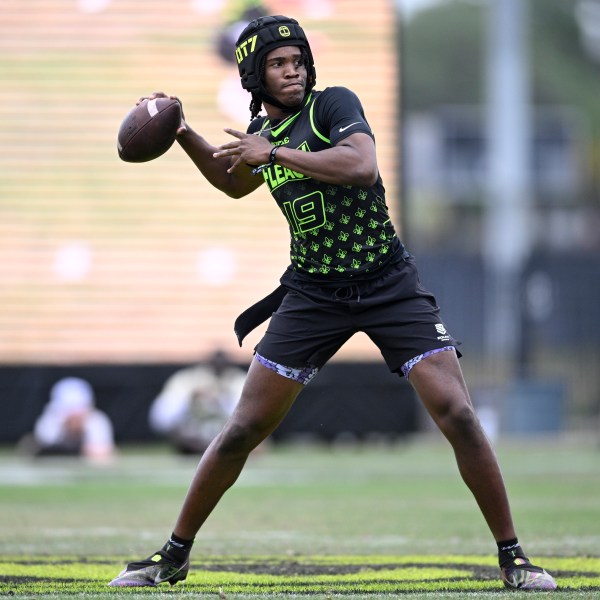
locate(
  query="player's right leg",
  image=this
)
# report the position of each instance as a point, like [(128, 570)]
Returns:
[(266, 398)]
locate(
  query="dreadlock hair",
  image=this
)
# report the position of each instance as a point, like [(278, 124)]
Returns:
[(255, 106), (256, 102)]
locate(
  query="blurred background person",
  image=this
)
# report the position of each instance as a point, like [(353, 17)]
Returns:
[(71, 425), (196, 401)]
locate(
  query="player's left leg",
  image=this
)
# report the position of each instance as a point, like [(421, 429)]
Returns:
[(440, 385), (439, 382)]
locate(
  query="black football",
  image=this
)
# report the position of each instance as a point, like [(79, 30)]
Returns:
[(148, 130)]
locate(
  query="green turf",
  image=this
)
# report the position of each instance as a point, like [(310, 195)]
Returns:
[(355, 522), (341, 575)]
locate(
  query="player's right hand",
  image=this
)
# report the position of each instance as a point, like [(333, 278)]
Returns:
[(183, 125)]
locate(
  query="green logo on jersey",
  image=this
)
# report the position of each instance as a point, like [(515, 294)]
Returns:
[(306, 214), (277, 175)]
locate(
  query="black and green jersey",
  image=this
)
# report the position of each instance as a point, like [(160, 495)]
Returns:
[(337, 232)]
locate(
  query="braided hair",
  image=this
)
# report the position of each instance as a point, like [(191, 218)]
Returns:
[(255, 106)]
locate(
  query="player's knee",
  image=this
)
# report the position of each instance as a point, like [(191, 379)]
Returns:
[(459, 418), (465, 418), (238, 439)]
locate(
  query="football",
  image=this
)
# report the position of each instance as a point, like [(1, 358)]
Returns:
[(148, 130)]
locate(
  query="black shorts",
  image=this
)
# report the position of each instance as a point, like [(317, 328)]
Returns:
[(394, 310)]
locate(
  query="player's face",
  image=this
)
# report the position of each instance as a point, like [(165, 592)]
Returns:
[(285, 75)]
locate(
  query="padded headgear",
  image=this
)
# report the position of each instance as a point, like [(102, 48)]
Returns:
[(260, 37)]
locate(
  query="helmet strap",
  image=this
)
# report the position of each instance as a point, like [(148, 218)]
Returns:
[(265, 97)]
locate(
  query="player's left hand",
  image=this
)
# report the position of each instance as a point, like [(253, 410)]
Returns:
[(246, 149)]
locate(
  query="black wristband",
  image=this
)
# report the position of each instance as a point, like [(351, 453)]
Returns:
[(257, 170), (273, 153)]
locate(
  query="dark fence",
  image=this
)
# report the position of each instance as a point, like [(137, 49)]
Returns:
[(345, 398), (560, 297)]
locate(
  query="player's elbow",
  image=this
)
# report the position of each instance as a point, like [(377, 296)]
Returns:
[(236, 193), (233, 193), (239, 186), (231, 187)]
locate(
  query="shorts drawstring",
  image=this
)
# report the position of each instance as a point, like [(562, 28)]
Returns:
[(345, 294)]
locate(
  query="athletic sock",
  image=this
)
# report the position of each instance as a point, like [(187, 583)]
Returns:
[(508, 550), (178, 548)]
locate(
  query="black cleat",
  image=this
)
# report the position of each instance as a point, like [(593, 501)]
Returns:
[(522, 575), (158, 568)]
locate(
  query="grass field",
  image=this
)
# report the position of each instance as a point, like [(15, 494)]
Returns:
[(356, 522)]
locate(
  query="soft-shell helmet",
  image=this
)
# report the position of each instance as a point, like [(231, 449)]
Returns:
[(260, 37)]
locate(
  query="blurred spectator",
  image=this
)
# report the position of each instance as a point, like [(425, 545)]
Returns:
[(196, 401), (70, 424), (241, 13)]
